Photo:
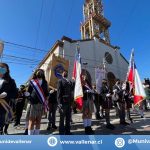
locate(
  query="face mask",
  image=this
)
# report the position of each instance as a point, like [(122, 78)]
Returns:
[(40, 75), (2, 71), (65, 75)]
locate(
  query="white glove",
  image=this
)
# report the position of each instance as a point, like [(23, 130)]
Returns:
[(115, 90), (52, 91), (123, 88), (3, 95), (107, 95), (27, 94), (89, 91)]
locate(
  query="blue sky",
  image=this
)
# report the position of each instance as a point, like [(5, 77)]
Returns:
[(23, 22)]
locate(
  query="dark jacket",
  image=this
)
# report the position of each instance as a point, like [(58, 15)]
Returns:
[(119, 92), (10, 88), (34, 99), (87, 93), (106, 101), (52, 99), (104, 91), (64, 91)]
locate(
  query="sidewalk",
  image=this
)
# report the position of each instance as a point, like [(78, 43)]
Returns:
[(140, 126)]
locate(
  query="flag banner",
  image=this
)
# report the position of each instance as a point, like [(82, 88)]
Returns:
[(57, 66), (130, 75), (139, 92), (78, 91), (100, 74), (56, 142), (135, 82)]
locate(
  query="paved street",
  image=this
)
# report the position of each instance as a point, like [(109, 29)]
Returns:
[(138, 127)]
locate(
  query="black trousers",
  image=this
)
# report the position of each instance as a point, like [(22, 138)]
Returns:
[(121, 109), (97, 106), (52, 114), (65, 118), (18, 111)]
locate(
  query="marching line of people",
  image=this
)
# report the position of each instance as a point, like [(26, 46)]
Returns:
[(39, 99)]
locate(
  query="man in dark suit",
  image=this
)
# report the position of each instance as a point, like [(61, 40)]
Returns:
[(64, 92), (120, 102), (107, 103)]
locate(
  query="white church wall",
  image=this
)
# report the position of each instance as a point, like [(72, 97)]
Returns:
[(93, 52)]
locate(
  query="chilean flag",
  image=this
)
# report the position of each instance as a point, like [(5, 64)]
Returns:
[(78, 91), (130, 76), (135, 82)]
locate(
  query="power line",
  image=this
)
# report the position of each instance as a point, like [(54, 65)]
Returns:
[(24, 46), (51, 17), (20, 58), (39, 24)]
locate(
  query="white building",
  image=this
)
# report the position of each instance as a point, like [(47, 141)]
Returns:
[(95, 47)]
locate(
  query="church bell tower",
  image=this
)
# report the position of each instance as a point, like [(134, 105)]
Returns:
[(94, 23)]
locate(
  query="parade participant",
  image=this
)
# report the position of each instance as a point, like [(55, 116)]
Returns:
[(147, 91), (97, 101), (88, 105), (107, 103), (20, 102), (8, 91), (52, 102), (64, 97), (38, 89), (118, 93), (128, 98)]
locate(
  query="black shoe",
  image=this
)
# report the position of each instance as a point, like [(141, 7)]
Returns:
[(1, 132), (124, 123), (5, 132), (68, 133), (86, 131), (26, 132), (48, 128), (90, 131), (16, 124), (54, 127), (110, 126), (98, 117)]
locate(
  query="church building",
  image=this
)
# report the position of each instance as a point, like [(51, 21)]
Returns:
[(95, 48)]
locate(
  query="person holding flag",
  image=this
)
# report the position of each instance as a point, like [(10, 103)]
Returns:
[(83, 94), (88, 105)]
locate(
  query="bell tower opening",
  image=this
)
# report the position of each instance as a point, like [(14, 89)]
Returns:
[(94, 22)]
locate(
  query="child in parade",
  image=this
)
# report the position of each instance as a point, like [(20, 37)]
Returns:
[(38, 89), (8, 92), (88, 105)]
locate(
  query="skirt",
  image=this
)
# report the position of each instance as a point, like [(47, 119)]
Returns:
[(34, 111), (88, 108)]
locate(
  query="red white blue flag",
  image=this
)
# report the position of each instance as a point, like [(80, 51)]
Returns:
[(78, 91), (135, 82)]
